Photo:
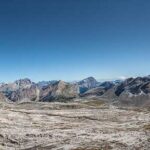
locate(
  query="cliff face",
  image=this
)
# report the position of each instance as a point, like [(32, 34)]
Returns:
[(59, 90), (24, 94)]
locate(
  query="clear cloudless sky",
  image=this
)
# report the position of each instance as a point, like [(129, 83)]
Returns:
[(74, 39)]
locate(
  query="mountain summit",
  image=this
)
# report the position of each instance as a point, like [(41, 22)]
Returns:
[(87, 84)]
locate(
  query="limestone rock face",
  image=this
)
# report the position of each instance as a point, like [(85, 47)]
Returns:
[(19, 90), (25, 94), (59, 90)]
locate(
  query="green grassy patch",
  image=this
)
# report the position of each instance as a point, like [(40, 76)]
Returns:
[(94, 103)]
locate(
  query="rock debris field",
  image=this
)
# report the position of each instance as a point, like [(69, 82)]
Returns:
[(73, 126)]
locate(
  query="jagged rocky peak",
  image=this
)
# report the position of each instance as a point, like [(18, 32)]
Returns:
[(90, 79), (61, 82), (24, 81), (86, 84), (19, 84), (60, 86), (132, 85), (89, 82), (46, 83)]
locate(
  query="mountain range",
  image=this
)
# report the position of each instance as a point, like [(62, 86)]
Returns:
[(129, 92)]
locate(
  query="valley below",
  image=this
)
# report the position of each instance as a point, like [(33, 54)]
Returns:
[(77, 125)]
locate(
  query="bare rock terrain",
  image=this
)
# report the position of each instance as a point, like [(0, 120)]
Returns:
[(80, 125)]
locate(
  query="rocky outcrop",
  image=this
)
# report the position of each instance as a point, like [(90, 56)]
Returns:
[(59, 91)]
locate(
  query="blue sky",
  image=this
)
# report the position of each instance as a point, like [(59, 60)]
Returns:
[(73, 39)]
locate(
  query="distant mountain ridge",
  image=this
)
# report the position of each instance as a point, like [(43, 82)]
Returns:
[(132, 91)]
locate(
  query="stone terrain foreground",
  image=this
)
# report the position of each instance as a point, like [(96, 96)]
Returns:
[(86, 125)]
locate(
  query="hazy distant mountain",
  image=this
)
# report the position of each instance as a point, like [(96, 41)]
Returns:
[(107, 85), (46, 83), (86, 84), (117, 81)]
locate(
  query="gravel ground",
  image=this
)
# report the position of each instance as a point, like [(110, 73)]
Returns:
[(73, 126)]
